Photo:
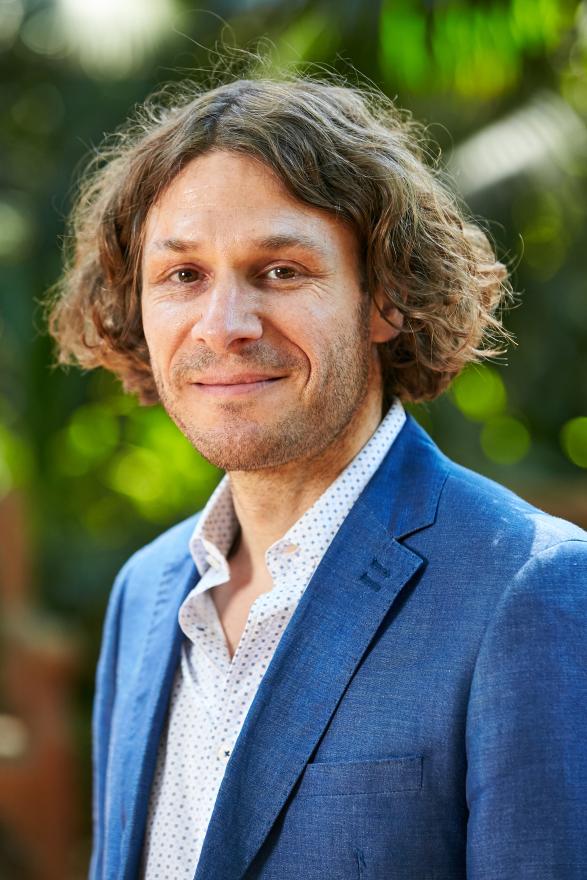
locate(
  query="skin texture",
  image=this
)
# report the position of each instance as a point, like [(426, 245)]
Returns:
[(241, 278)]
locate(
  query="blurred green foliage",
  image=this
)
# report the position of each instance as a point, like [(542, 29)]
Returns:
[(476, 50), (574, 440), (103, 475)]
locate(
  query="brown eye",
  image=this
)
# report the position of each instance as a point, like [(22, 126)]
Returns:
[(186, 276), (282, 273)]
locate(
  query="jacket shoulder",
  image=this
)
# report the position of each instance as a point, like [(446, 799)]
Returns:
[(491, 510)]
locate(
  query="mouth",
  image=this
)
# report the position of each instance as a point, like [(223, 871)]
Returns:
[(237, 388)]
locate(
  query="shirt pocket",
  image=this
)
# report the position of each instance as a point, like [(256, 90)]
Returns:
[(376, 777)]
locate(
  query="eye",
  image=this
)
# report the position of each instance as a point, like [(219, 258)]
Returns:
[(186, 276), (282, 273)]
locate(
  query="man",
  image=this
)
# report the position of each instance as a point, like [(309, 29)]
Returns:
[(360, 660)]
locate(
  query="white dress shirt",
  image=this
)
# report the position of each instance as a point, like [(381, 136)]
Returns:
[(211, 693)]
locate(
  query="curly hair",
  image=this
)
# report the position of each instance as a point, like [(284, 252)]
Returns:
[(344, 149)]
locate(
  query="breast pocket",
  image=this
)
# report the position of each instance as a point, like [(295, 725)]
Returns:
[(376, 777), (353, 820)]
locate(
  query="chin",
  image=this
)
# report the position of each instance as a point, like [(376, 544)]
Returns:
[(252, 449), (234, 441), (238, 458)]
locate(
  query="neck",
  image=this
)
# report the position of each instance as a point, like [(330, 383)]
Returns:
[(268, 502)]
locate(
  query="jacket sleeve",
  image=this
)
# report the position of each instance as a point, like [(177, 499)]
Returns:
[(104, 696), (526, 727)]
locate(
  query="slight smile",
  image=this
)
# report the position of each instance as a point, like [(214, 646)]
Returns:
[(239, 387)]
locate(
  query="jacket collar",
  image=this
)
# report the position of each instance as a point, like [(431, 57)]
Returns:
[(405, 491)]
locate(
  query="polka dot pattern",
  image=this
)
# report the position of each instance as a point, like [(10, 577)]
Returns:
[(211, 694)]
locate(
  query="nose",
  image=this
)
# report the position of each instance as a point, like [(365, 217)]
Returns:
[(229, 315)]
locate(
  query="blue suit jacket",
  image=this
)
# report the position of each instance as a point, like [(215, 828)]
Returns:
[(423, 716)]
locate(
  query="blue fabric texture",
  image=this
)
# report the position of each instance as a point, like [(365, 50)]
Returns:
[(424, 714)]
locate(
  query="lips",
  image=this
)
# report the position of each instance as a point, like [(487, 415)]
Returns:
[(244, 379), (236, 386)]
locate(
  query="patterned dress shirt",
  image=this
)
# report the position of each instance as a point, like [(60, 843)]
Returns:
[(212, 693)]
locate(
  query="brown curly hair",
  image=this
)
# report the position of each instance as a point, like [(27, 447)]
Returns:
[(348, 150)]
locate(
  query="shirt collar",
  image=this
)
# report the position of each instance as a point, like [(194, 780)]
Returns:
[(215, 530)]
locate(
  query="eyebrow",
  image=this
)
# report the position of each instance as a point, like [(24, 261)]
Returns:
[(269, 243)]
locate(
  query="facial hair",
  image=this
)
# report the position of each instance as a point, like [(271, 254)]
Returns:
[(302, 432)]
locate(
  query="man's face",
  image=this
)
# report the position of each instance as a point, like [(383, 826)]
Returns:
[(261, 339)]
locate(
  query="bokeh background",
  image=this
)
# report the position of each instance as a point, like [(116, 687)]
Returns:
[(87, 476)]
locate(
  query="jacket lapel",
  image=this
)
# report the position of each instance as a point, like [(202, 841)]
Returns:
[(359, 578), (149, 706)]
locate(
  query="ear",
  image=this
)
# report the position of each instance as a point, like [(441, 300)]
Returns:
[(386, 319)]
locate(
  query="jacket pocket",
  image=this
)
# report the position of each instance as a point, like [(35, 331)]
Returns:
[(381, 776)]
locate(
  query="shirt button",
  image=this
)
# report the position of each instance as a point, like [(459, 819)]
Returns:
[(223, 753), (290, 548)]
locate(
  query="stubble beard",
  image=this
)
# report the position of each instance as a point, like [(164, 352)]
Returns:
[(241, 444)]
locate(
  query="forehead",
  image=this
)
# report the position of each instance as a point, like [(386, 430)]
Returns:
[(223, 195)]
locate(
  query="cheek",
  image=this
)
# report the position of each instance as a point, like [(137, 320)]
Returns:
[(322, 336), (321, 352), (300, 334), (147, 327), (164, 326)]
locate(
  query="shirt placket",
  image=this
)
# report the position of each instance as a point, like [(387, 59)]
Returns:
[(242, 676)]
